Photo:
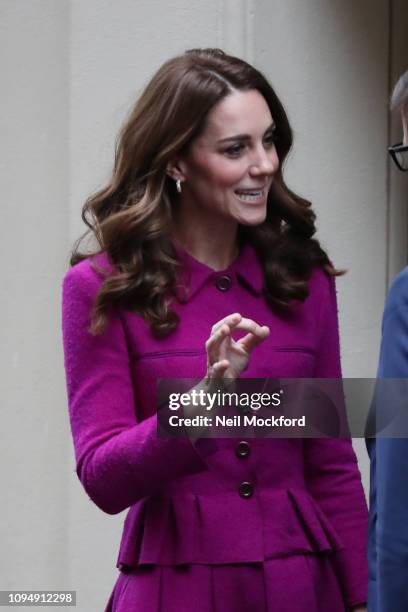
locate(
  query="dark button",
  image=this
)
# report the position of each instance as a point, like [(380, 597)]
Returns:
[(223, 283), (242, 449), (246, 489)]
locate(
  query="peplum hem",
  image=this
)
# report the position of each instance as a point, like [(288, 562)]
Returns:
[(192, 529)]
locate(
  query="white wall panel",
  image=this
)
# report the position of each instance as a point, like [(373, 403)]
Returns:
[(33, 169), (329, 62)]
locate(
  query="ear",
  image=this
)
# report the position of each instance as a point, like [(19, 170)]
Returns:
[(404, 117), (176, 170)]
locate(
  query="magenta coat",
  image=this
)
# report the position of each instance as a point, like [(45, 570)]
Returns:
[(187, 510)]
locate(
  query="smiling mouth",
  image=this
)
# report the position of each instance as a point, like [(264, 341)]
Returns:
[(251, 195)]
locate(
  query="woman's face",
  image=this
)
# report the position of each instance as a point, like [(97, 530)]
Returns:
[(229, 168)]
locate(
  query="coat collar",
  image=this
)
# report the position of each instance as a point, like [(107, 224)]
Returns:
[(246, 269)]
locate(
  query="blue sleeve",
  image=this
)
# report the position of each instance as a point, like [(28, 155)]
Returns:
[(388, 532)]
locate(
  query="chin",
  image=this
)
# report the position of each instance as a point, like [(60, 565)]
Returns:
[(254, 219)]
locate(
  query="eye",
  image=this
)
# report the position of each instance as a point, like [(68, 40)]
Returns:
[(234, 150), (270, 139)]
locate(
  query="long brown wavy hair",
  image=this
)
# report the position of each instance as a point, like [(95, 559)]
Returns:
[(131, 217)]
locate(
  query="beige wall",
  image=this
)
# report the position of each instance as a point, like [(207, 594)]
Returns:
[(35, 453), (71, 69)]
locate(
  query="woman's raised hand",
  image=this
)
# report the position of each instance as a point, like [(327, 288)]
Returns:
[(226, 357)]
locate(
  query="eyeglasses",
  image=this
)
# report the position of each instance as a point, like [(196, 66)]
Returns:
[(399, 154)]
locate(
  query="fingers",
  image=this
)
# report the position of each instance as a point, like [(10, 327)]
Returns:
[(251, 326), (219, 332), (251, 340), (223, 330), (218, 369), (231, 319), (214, 342), (236, 321)]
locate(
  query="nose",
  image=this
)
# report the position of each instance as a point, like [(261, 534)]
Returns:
[(265, 161)]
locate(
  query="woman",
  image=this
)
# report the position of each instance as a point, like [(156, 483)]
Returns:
[(199, 238)]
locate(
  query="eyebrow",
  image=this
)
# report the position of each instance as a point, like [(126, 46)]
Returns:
[(246, 136)]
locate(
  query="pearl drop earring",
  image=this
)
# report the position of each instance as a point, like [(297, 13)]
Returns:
[(178, 185)]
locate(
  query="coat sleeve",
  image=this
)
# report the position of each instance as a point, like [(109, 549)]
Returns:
[(118, 460), (389, 468), (332, 473)]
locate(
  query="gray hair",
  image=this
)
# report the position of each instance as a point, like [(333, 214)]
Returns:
[(399, 98)]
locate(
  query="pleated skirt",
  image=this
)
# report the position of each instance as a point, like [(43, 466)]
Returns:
[(301, 583)]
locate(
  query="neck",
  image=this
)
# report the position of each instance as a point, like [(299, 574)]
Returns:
[(212, 242)]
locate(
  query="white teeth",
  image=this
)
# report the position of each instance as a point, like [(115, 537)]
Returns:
[(249, 195), (255, 191)]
